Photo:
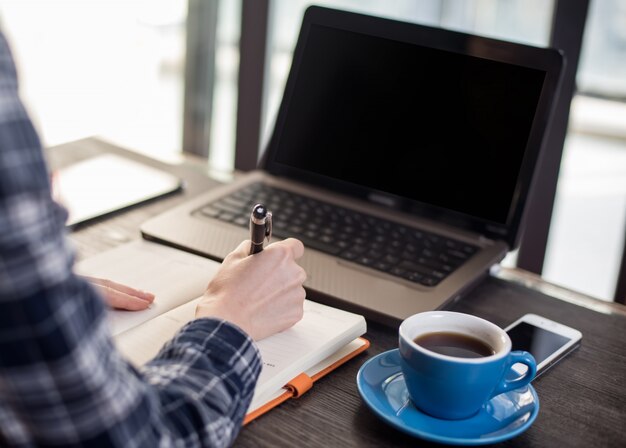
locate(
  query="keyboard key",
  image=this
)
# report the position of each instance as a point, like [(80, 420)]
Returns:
[(413, 276), (415, 267), (458, 254), (382, 266), (349, 255), (358, 249), (382, 239), (427, 253), (433, 263), (366, 260), (343, 236), (375, 254), (418, 235), (327, 239), (209, 211), (392, 259), (279, 225), (429, 281), (412, 248), (411, 266), (469, 250), (239, 204), (226, 207), (226, 216)]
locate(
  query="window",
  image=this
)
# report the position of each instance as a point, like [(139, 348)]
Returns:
[(101, 67), (587, 232)]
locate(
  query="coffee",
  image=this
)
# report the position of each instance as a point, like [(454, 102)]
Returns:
[(454, 344)]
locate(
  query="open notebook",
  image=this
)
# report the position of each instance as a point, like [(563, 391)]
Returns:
[(325, 338)]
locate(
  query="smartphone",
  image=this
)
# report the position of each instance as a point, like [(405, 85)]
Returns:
[(546, 340)]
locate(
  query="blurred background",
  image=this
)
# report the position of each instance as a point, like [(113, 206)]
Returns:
[(117, 69)]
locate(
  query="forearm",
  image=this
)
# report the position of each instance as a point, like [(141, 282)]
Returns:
[(207, 373), (58, 392)]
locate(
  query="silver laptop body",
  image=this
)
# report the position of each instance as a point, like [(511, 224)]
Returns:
[(328, 39)]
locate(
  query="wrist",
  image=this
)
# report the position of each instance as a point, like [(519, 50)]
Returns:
[(212, 307)]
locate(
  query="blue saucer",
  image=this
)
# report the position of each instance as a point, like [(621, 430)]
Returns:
[(381, 384)]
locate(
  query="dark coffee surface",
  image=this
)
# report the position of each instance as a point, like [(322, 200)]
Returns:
[(454, 344)]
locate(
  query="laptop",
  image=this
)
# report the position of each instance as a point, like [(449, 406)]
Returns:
[(402, 156)]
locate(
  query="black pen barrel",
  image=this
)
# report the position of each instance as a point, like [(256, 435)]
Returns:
[(257, 235)]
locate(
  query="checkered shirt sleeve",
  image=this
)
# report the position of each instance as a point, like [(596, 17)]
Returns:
[(62, 382)]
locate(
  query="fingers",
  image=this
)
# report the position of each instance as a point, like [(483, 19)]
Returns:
[(121, 296), (114, 286), (122, 300), (302, 275), (241, 251), (293, 245)]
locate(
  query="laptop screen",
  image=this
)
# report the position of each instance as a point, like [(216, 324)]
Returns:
[(429, 127)]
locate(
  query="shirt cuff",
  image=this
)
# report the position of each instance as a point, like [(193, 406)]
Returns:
[(215, 345), (220, 328)]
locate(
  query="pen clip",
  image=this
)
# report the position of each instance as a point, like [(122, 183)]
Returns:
[(268, 226)]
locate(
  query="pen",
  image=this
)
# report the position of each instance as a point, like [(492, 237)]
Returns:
[(260, 227)]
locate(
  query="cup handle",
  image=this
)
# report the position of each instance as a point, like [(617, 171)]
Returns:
[(514, 358)]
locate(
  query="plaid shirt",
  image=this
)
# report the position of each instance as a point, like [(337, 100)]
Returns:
[(62, 383)]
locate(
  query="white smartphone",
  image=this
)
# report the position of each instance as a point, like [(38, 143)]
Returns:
[(546, 340)]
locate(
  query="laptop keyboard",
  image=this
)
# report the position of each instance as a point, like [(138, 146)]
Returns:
[(412, 254)]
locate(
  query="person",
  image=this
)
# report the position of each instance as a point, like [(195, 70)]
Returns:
[(62, 382)]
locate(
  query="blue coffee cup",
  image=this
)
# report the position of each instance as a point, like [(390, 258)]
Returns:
[(452, 387)]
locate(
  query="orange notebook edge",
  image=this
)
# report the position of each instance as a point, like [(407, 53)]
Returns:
[(302, 383)]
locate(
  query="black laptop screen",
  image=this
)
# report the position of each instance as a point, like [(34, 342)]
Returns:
[(436, 127)]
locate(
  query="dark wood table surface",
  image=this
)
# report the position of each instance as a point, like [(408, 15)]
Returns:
[(582, 399)]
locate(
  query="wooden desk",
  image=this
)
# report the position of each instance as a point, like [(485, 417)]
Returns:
[(583, 399)]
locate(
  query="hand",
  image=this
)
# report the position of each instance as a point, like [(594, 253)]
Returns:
[(121, 296), (262, 294)]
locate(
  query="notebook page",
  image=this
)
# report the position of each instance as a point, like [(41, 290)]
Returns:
[(257, 402), (174, 276), (322, 332), (142, 343)]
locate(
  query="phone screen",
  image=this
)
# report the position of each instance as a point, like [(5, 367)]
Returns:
[(540, 342)]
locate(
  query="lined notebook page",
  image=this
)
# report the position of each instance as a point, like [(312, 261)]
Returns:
[(321, 333), (140, 344), (174, 276)]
